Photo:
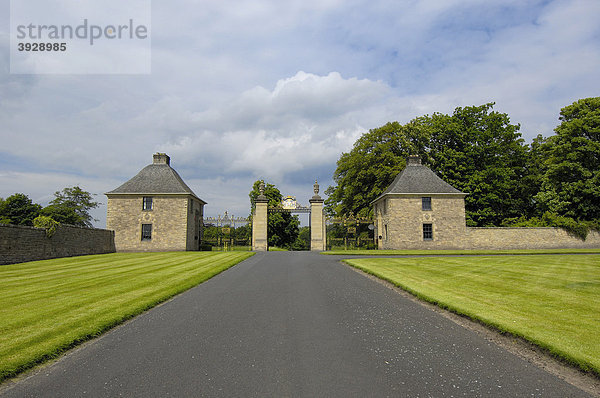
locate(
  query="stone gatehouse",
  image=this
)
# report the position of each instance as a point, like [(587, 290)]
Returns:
[(421, 211), (155, 211)]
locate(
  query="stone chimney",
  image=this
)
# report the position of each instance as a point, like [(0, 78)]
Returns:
[(414, 160), (161, 158)]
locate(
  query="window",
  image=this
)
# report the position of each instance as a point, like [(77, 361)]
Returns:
[(147, 203), (146, 231), (426, 200), (427, 232)]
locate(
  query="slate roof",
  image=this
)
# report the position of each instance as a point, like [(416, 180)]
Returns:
[(155, 179), (419, 179)]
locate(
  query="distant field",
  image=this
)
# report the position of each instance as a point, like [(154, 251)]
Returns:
[(47, 307), (552, 301), (457, 252)]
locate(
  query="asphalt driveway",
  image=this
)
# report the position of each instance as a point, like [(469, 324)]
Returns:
[(290, 324)]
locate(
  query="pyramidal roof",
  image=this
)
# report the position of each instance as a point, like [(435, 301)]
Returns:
[(156, 178), (419, 179)]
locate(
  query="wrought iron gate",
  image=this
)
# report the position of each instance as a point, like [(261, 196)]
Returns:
[(350, 233), (225, 233)]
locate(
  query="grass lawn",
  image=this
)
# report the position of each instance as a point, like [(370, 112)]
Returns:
[(277, 249), (47, 307), (456, 252), (552, 301)]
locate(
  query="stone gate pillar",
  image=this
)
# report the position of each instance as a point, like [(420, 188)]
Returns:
[(317, 221), (259, 221)]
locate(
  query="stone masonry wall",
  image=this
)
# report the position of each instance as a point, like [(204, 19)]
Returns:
[(194, 224), (20, 244), (169, 218), (527, 238)]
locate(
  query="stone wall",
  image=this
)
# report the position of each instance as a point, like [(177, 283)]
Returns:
[(20, 244), (195, 224), (169, 219), (527, 238)]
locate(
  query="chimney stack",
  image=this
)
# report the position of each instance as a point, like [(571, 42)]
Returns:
[(161, 158), (414, 160)]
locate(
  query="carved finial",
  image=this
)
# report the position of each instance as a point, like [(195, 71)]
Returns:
[(261, 187), (316, 187)]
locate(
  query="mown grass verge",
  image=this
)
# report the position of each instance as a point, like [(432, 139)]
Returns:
[(551, 301), (47, 307), (457, 252)]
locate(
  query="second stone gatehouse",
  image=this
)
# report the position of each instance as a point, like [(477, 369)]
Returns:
[(419, 210), (155, 211)]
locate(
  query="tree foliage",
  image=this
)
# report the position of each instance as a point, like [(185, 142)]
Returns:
[(479, 152), (570, 184), (282, 228), (303, 241), (69, 206), (62, 214), (48, 223), (18, 209), (76, 199)]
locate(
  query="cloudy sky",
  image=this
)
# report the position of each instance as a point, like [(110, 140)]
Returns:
[(279, 89)]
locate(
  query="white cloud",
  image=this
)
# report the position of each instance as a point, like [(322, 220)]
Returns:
[(304, 121)]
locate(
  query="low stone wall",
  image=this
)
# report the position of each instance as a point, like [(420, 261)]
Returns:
[(20, 244), (527, 238)]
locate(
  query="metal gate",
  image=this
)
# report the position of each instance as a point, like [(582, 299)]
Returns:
[(350, 233), (226, 233)]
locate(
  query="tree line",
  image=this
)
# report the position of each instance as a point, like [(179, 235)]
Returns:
[(69, 206), (552, 181)]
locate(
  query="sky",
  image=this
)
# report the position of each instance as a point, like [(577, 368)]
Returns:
[(278, 90)]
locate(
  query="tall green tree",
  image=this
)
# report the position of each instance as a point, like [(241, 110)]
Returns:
[(571, 179), (282, 228), (366, 171), (75, 198), (475, 149), (62, 214), (479, 152), (18, 209)]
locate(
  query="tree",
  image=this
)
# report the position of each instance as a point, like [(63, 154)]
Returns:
[(18, 209), (62, 214), (242, 233), (366, 171), (282, 228), (303, 240), (476, 150), (571, 178), (78, 200), (479, 152)]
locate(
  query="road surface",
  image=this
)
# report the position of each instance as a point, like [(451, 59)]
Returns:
[(290, 324)]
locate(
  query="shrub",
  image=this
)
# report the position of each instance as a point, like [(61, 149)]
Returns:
[(47, 223)]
